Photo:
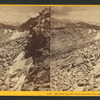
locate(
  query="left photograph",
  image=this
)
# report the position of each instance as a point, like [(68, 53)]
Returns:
[(25, 48)]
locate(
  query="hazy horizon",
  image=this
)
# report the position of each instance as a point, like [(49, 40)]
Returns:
[(16, 15), (77, 13)]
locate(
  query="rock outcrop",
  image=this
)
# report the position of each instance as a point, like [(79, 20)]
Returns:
[(24, 56), (38, 48), (8, 52), (41, 55)]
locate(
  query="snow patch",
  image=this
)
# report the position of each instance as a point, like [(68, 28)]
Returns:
[(97, 68), (89, 31), (18, 86), (17, 34), (97, 36), (19, 63)]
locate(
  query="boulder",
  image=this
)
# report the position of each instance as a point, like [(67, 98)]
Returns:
[(1, 82)]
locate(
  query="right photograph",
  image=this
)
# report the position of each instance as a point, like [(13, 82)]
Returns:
[(75, 48)]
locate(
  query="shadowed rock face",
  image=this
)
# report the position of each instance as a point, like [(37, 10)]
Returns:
[(38, 47), (37, 42), (8, 52)]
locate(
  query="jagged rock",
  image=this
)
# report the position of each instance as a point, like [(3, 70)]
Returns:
[(28, 61), (4, 87), (11, 85), (79, 89), (89, 64), (5, 65), (28, 87), (1, 82), (96, 85)]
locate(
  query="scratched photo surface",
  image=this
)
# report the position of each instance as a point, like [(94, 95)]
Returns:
[(24, 48), (75, 48)]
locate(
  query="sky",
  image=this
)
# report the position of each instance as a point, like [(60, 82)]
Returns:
[(89, 14), (15, 15)]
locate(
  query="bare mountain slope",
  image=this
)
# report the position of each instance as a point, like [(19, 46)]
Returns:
[(75, 58)]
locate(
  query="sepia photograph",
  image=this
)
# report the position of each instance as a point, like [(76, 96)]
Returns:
[(75, 48), (25, 48), (49, 48)]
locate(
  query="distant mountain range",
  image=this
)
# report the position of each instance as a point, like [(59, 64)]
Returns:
[(26, 25), (56, 23), (4, 26)]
